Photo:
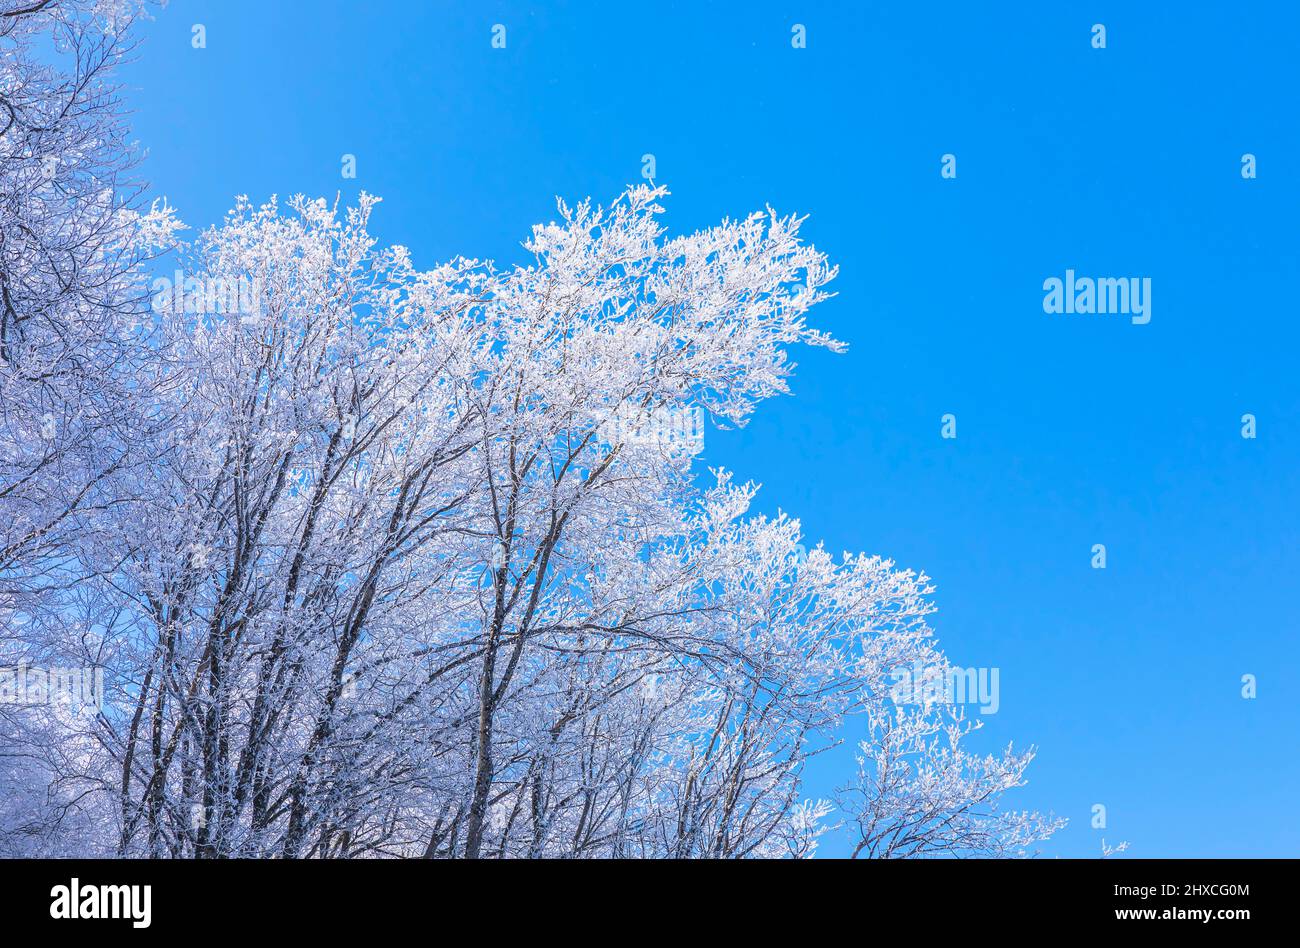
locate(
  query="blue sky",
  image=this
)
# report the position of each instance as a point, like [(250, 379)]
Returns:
[(1072, 430)]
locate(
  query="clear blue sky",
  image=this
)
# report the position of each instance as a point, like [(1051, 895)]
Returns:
[(1072, 430)]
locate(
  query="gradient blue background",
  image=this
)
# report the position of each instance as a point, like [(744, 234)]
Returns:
[(1073, 430)]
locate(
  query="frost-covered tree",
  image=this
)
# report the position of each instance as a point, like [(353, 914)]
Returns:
[(396, 585), (382, 561), (71, 240), (919, 793)]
